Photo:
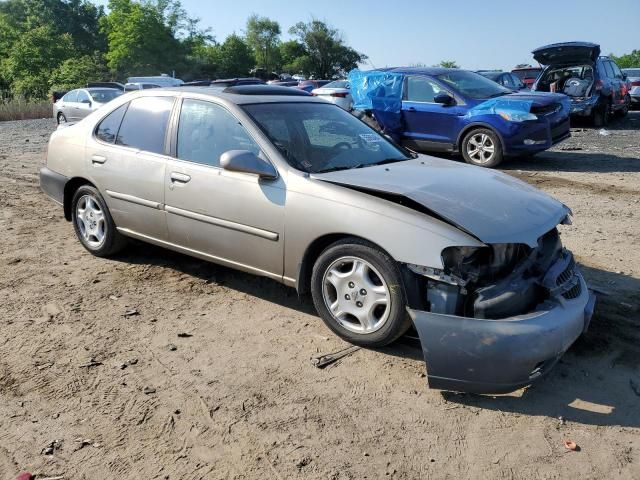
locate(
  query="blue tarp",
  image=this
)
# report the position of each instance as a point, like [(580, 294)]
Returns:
[(380, 92)]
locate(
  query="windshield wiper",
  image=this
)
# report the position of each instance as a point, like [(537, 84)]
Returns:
[(363, 165)]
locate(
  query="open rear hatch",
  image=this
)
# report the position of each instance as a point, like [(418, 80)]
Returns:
[(568, 52)]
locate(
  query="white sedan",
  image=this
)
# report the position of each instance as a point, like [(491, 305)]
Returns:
[(336, 92)]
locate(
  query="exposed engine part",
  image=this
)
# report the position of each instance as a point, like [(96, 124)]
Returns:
[(501, 280)]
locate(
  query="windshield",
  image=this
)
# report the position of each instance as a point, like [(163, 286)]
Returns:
[(472, 84), (104, 96), (337, 84), (320, 137)]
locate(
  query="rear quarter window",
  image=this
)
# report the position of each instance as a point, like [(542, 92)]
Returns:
[(145, 124), (108, 127)]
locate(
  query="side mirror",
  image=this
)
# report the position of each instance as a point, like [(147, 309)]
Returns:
[(247, 162), (86, 102), (444, 99)]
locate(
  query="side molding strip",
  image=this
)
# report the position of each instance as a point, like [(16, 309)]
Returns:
[(223, 223), (136, 200)]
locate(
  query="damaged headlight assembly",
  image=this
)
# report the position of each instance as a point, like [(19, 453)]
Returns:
[(514, 116)]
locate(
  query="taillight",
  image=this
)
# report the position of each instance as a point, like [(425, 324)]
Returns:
[(339, 95), (599, 85)]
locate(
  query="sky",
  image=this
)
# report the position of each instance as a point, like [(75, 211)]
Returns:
[(488, 34)]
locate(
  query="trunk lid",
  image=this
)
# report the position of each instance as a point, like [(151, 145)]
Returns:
[(490, 205), (567, 52)]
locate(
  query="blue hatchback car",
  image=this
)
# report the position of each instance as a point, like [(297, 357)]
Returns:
[(453, 110)]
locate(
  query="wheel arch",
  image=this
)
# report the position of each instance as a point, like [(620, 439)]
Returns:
[(315, 249), (69, 189), (478, 125)]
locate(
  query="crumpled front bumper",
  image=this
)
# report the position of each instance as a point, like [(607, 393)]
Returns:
[(500, 356)]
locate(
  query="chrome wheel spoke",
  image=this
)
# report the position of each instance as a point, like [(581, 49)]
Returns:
[(356, 295)]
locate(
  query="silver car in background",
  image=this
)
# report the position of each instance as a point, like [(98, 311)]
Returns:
[(272, 181), (337, 92), (77, 104), (633, 76)]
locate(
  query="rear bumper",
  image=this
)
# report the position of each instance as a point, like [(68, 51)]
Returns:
[(583, 107), (53, 184), (500, 356)]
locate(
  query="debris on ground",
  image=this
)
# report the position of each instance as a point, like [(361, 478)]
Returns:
[(185, 335), (172, 347), (603, 132), (24, 476), (52, 447), (91, 363), (131, 313), (571, 445), (324, 360), (148, 390)]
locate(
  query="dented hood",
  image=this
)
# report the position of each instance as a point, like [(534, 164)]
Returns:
[(490, 205)]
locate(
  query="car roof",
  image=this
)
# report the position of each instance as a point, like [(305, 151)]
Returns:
[(93, 89), (419, 70), (243, 95)]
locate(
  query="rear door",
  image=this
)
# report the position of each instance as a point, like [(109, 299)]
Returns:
[(432, 125), (620, 84), (127, 161), (69, 106), (231, 218)]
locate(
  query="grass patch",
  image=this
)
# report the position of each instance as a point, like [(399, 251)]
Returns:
[(21, 109)]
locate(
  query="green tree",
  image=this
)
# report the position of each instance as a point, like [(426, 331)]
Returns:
[(628, 60), (293, 55), (33, 58), (263, 36), (234, 58), (142, 36), (326, 54), (447, 64), (77, 71)]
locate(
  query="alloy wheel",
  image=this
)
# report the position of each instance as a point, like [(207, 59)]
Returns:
[(480, 148), (91, 221), (356, 295)]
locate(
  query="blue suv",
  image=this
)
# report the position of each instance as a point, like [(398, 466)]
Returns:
[(595, 85), (453, 110)]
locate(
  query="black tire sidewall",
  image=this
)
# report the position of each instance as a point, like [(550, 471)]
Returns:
[(61, 116), (498, 154), (398, 321), (113, 239)]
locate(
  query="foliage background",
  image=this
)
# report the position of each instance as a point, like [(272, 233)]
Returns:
[(48, 45)]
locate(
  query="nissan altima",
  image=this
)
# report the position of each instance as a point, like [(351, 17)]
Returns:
[(272, 181)]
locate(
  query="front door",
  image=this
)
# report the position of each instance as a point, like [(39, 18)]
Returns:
[(126, 160), (232, 218), (432, 125)]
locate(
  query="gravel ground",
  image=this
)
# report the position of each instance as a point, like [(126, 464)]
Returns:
[(99, 381)]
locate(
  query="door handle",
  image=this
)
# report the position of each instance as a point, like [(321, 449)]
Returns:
[(412, 109), (98, 159), (179, 177)]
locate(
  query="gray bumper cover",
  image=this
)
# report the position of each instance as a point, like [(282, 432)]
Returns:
[(52, 184), (500, 356)]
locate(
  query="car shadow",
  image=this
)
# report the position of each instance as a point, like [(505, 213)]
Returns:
[(597, 382), (573, 161)]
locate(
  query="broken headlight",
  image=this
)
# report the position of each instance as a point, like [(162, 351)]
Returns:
[(513, 116), (482, 264)]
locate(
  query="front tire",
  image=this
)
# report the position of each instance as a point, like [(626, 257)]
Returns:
[(61, 118), (482, 147), (93, 224), (357, 292)]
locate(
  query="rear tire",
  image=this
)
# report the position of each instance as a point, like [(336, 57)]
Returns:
[(625, 108), (482, 147), (357, 291), (93, 224), (61, 118)]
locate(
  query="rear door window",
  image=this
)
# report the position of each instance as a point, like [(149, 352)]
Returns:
[(83, 97), (108, 127), (207, 130), (421, 89), (145, 124), (72, 96), (616, 71)]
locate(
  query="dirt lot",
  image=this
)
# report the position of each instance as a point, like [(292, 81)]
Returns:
[(82, 338)]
